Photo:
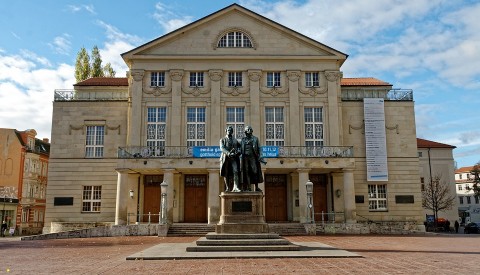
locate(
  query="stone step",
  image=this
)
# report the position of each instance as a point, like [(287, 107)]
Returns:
[(226, 236), (290, 247), (241, 242)]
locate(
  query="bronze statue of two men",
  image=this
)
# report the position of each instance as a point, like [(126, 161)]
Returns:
[(240, 161)]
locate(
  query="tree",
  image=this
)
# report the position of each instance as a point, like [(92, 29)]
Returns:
[(84, 69), (82, 65), (437, 197), (476, 179)]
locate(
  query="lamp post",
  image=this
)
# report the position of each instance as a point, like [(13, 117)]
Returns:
[(163, 203), (310, 212)]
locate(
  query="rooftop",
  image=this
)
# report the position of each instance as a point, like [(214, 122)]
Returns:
[(424, 143)]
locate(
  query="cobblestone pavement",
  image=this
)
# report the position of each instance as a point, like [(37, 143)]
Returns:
[(417, 254)]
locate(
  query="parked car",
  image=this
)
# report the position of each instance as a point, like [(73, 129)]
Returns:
[(473, 227)]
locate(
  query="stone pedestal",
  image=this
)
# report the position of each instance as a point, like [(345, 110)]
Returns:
[(242, 213)]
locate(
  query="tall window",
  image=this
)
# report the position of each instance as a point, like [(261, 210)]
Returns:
[(157, 79), (476, 199), (95, 141), (273, 79), (196, 79), (92, 198), (156, 129), (275, 127), (377, 197), (235, 39), (196, 126), (313, 127), (469, 199), (461, 199), (311, 80), (236, 119), (235, 79)]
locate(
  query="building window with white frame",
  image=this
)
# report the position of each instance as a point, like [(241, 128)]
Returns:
[(461, 199), (311, 79), (377, 197), (94, 143), (236, 119), (196, 79), (273, 79), (235, 79), (157, 79), (274, 126), (91, 198), (156, 130), (235, 39), (460, 188), (469, 200), (313, 119), (196, 126)]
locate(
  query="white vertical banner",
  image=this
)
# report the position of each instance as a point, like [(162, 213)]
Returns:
[(375, 139)]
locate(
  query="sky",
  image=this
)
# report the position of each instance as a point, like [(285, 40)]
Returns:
[(430, 46)]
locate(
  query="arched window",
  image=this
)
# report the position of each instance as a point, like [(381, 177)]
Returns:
[(235, 39)]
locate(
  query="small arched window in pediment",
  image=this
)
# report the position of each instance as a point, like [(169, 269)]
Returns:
[(235, 39)]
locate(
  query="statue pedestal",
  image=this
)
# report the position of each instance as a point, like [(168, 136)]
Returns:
[(242, 213)]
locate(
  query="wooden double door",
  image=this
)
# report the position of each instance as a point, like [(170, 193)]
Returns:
[(276, 198), (319, 196), (195, 199), (151, 197)]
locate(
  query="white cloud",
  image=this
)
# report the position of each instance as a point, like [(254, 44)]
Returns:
[(61, 44), (77, 8), (168, 19)]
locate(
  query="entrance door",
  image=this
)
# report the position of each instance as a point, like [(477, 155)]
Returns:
[(319, 196), (195, 199), (151, 197), (275, 198)]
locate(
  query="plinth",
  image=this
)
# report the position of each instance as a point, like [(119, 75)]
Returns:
[(242, 213)]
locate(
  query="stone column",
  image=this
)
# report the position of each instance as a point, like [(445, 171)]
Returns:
[(168, 177), (254, 118), (135, 111), (349, 196), (303, 177), (176, 119), (213, 199), (334, 95), (294, 110), (215, 109), (122, 197)]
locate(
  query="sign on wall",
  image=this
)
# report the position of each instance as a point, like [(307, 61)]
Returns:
[(215, 152), (375, 139)]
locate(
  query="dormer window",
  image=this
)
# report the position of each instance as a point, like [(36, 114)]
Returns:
[(235, 39)]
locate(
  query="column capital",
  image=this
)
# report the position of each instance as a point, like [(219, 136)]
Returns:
[(136, 74), (333, 75), (293, 75)]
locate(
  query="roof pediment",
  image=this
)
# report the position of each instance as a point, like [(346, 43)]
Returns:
[(199, 39)]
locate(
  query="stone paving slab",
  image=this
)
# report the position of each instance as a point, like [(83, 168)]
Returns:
[(177, 251)]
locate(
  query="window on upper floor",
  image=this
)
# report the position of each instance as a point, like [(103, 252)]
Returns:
[(420, 154), (235, 79), (236, 119), (94, 141), (235, 39), (311, 79), (196, 126), (467, 187), (460, 199), (157, 79), (313, 118), (377, 197), (460, 176), (422, 180), (273, 79), (156, 130), (275, 126), (460, 188), (196, 79), (469, 199), (468, 176), (476, 199), (91, 198)]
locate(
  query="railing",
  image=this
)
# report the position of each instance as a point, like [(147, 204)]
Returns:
[(139, 218), (391, 95), (72, 95), (328, 217), (284, 151)]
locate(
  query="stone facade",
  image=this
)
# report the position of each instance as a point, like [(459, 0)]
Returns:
[(156, 119)]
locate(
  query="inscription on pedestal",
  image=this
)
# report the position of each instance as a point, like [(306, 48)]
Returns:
[(241, 206)]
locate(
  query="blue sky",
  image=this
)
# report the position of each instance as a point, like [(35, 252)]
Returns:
[(430, 46)]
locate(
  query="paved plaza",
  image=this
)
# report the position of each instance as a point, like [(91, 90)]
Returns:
[(408, 254)]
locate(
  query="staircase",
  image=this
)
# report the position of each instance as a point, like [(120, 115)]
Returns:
[(190, 229), (287, 229)]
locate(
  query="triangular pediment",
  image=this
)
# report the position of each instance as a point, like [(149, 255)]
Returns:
[(199, 39)]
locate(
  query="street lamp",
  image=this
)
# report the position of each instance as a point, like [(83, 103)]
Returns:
[(310, 212), (163, 203)]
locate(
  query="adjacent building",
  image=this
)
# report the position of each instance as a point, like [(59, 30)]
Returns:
[(464, 180), (115, 140), (23, 180)]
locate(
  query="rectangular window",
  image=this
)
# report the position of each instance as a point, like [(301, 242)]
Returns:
[(157, 79), (476, 199), (377, 197), (469, 199), (196, 79), (94, 141), (422, 180), (196, 126), (273, 79), (461, 200), (311, 80), (460, 188), (236, 119), (235, 79), (313, 128), (156, 130), (92, 198), (275, 127), (420, 154)]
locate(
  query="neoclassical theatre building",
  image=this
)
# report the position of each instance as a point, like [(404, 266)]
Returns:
[(115, 140)]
